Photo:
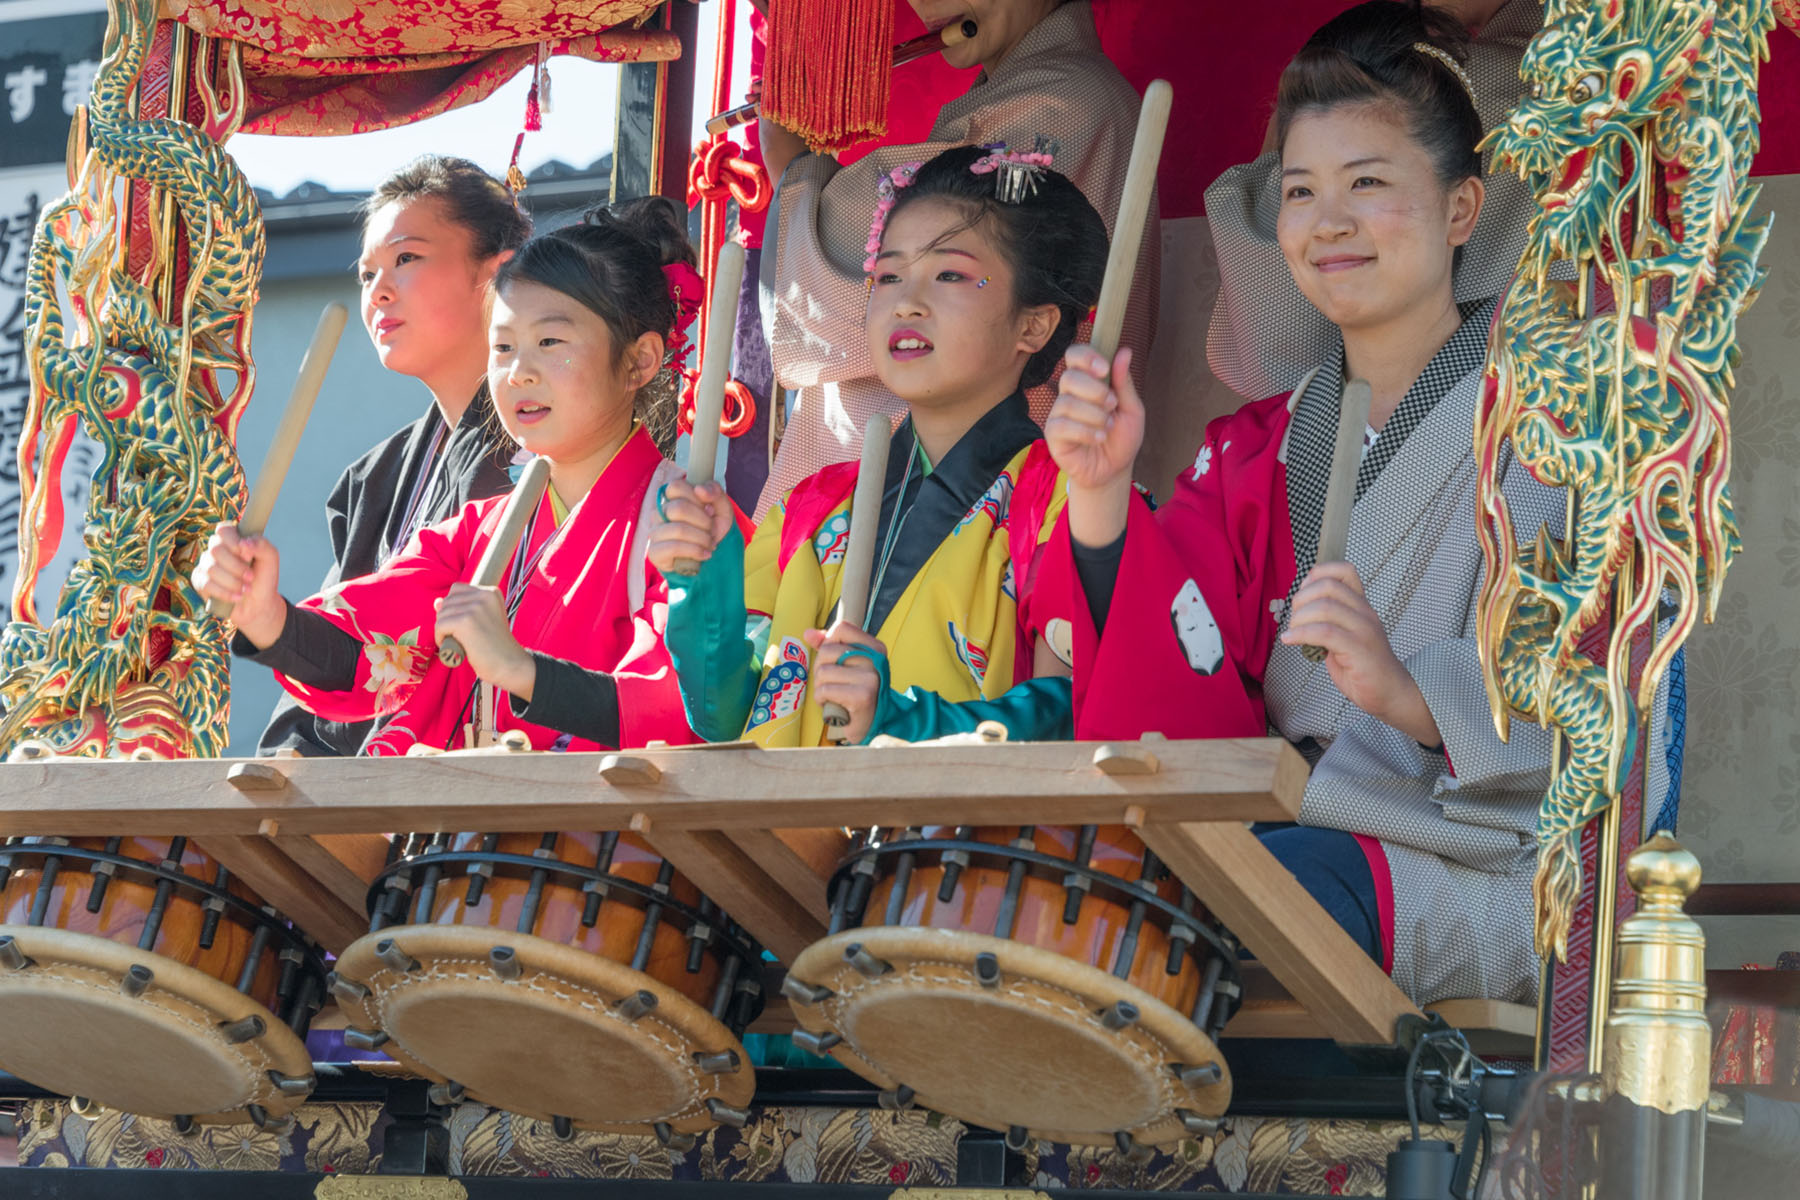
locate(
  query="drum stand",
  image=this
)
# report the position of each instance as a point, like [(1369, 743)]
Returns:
[(761, 832)]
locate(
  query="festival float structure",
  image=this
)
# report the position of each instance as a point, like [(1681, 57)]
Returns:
[(237, 882)]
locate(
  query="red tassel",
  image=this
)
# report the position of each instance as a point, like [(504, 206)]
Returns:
[(828, 70)]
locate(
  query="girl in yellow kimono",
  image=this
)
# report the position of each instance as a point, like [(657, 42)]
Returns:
[(981, 263)]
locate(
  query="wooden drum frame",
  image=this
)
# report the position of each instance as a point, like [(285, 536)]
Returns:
[(1052, 981), (571, 977), (136, 973)]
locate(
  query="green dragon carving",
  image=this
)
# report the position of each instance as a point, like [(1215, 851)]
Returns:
[(1610, 374), (131, 661)]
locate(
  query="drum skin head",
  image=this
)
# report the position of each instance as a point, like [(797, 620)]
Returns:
[(552, 1042), (1030, 1051), (67, 1023)]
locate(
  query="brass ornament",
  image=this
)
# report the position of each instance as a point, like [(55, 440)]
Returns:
[(1658, 1043), (388, 1187), (131, 661), (1610, 374)]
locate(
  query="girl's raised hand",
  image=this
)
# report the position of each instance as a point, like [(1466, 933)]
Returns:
[(695, 520), (1094, 431), (476, 618), (853, 684), (1096, 426), (244, 572)]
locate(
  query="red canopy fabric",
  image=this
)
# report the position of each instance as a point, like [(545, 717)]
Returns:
[(316, 67)]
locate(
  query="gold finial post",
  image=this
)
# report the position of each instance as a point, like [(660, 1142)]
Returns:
[(1658, 1050)]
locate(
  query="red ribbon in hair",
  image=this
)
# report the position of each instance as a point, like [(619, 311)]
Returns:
[(686, 291)]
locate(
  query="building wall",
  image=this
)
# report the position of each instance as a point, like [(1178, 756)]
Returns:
[(1740, 810)]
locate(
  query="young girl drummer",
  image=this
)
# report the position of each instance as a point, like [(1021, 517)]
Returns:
[(981, 263), (570, 643), (1417, 827)]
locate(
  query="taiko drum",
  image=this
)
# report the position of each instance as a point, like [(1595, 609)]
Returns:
[(576, 977), (139, 974), (1049, 980)]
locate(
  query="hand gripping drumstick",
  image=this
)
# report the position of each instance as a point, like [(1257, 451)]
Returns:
[(1340, 493), (515, 519), (937, 40), (715, 373), (859, 555), (255, 517), (1134, 210)]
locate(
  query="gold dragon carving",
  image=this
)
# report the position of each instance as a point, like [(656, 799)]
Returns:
[(131, 662), (1610, 374)]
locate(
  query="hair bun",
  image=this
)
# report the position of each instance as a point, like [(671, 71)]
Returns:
[(657, 221)]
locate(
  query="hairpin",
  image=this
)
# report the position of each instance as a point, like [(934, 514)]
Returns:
[(890, 183), (1017, 175), (1456, 68)]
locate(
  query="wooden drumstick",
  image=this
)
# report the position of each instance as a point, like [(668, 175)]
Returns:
[(715, 373), (859, 555), (515, 519), (1134, 210), (255, 517), (1340, 493)]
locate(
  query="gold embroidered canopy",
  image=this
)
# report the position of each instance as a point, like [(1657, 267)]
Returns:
[(316, 67)]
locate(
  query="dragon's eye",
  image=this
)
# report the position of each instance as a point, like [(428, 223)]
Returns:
[(1585, 88)]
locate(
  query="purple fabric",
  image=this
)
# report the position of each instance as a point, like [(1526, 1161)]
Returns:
[(747, 457)]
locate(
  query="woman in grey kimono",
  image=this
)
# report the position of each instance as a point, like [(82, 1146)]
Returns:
[(1417, 829), (1042, 73)]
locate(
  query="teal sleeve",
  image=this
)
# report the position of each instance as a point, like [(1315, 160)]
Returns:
[(1037, 710), (715, 662)]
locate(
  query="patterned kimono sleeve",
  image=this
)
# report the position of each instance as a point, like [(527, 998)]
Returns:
[(1448, 673), (393, 613), (1179, 653), (715, 664)]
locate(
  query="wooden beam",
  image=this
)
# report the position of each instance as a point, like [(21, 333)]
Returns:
[(1248, 779), (344, 864), (294, 893), (739, 887), (1261, 902), (799, 861)]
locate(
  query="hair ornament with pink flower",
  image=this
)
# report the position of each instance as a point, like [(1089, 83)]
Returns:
[(1016, 173), (885, 193)]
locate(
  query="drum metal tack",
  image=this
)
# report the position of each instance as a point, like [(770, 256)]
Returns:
[(346, 990), (1196, 1124), (1017, 1138), (636, 1005), (1204, 1075), (447, 1093), (718, 1062), (563, 1127), (365, 1039), (244, 1029), (801, 992), (505, 962), (865, 963), (389, 952), (259, 1117), (816, 1043), (184, 1125), (1120, 1015), (681, 1143), (987, 969), (136, 980), (292, 1085), (895, 1099), (12, 955), (726, 1114)]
